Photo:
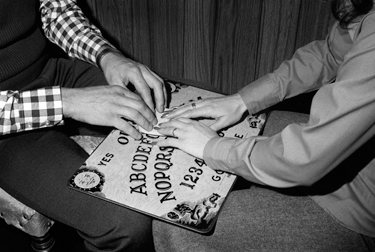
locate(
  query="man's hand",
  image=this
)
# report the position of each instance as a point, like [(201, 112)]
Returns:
[(121, 71), (108, 106)]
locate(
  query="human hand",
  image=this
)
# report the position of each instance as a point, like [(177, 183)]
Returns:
[(108, 106), (225, 110), (189, 136), (119, 70)]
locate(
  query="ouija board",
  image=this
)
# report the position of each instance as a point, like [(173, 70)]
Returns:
[(165, 183)]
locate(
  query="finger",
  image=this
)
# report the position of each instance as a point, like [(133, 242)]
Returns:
[(218, 125), (136, 117), (143, 89), (158, 87), (137, 108), (177, 112), (129, 94), (183, 120), (176, 123), (125, 127), (164, 90), (204, 112), (168, 131), (168, 142), (125, 90), (134, 111), (154, 74), (165, 95)]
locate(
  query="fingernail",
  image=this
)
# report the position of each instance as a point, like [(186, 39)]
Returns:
[(157, 128), (138, 137), (165, 115)]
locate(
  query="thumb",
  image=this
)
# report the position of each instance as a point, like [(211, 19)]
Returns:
[(218, 124)]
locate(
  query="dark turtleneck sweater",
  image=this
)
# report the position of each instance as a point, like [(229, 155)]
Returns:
[(22, 43)]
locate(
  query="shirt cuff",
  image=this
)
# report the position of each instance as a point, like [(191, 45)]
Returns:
[(231, 155), (259, 95), (40, 108), (88, 46)]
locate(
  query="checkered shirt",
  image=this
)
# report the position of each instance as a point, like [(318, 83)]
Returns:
[(65, 25), (28, 110)]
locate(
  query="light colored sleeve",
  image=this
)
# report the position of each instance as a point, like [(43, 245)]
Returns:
[(341, 120), (65, 25), (311, 66)]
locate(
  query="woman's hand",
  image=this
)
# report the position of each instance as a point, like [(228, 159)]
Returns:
[(226, 110), (188, 135)]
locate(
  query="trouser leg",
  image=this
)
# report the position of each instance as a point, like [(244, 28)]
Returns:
[(36, 166), (35, 170)]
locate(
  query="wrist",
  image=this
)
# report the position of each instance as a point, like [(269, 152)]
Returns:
[(66, 97), (103, 55), (241, 105)]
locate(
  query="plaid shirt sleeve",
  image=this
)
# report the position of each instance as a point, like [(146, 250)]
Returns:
[(65, 25), (28, 110)]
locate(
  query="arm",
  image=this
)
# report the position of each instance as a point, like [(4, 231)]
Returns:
[(99, 105), (311, 67), (29, 110), (65, 25), (341, 120)]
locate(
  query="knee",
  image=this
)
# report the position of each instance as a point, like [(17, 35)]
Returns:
[(130, 234)]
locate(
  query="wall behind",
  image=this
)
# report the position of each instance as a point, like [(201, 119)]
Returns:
[(224, 44)]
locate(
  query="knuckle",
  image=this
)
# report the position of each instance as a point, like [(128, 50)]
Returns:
[(140, 105), (159, 84), (138, 98), (122, 125), (134, 69), (117, 89)]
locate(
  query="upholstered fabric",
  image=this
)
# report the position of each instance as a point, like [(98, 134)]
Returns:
[(23, 217), (17, 214)]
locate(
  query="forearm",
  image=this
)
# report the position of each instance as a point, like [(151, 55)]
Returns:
[(300, 155), (65, 25), (30, 110), (311, 67), (341, 120)]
